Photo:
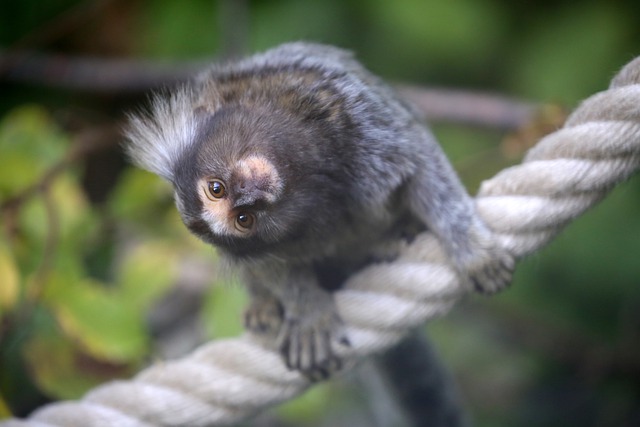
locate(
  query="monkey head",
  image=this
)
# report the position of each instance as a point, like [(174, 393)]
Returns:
[(250, 181)]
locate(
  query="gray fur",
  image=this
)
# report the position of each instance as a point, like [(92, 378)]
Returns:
[(358, 169)]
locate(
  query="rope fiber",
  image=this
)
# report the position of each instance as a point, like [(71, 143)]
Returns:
[(225, 381)]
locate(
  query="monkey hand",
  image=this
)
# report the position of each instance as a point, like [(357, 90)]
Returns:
[(488, 268), (308, 331)]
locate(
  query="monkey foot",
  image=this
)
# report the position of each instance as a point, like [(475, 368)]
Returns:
[(306, 344), (263, 316), (493, 274)]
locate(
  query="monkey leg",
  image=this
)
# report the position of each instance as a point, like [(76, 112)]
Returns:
[(311, 326), (437, 197), (264, 314), (488, 267)]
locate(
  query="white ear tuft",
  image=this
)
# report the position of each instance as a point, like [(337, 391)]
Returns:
[(158, 137)]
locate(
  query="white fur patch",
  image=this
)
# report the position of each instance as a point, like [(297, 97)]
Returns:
[(158, 137)]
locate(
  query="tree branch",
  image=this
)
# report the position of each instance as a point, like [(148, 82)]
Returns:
[(121, 77)]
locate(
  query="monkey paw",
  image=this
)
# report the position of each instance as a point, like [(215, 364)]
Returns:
[(306, 343), (491, 271), (264, 316)]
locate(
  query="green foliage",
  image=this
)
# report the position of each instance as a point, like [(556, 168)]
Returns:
[(30, 143), (311, 406), (427, 33), (139, 195), (168, 29), (568, 49), (60, 368), (222, 311), (50, 226), (277, 22), (9, 277)]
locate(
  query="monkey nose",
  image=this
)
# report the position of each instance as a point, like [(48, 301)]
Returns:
[(252, 191), (248, 194), (254, 199)]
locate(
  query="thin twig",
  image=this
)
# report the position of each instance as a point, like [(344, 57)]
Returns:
[(93, 75), (50, 245), (470, 108)]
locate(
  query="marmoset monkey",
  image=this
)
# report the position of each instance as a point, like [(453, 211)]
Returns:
[(297, 163)]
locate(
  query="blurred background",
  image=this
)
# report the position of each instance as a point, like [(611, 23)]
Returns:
[(98, 277)]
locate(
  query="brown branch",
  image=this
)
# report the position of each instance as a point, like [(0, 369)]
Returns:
[(469, 108), (50, 245), (93, 75)]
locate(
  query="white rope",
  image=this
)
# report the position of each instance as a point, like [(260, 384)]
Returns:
[(526, 205)]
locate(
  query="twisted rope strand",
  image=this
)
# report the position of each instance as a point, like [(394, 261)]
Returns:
[(526, 205)]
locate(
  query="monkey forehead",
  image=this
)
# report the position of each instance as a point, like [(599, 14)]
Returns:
[(259, 168)]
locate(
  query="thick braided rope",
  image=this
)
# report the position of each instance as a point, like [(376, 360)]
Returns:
[(225, 381)]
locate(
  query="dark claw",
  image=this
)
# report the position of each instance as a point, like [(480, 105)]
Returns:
[(344, 340), (317, 374), (309, 350), (492, 277), (478, 286)]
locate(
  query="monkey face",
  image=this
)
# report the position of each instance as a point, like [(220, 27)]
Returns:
[(233, 187), (235, 205), (254, 181), (231, 206)]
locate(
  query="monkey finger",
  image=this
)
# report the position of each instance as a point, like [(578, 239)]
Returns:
[(284, 344), (307, 351), (317, 374), (282, 339), (322, 347), (334, 364), (343, 339), (508, 264), (251, 322), (293, 352)]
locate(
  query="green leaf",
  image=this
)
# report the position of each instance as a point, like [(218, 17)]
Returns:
[(140, 195), (104, 321), (75, 219), (147, 271), (30, 143), (4, 409), (9, 279), (59, 226), (61, 370), (223, 308)]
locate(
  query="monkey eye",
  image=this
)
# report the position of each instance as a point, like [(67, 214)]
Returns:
[(216, 189), (245, 221)]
